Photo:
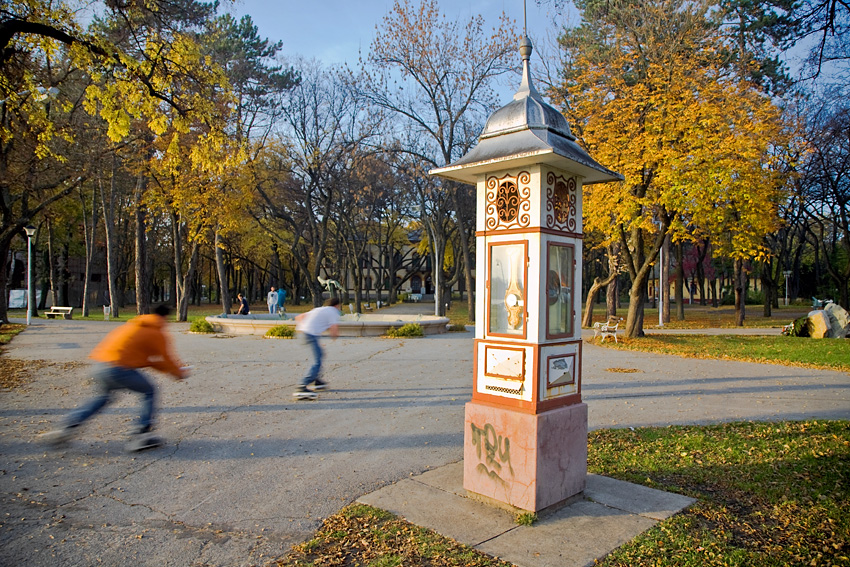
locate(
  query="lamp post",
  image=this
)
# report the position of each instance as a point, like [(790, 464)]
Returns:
[(787, 274), (30, 230)]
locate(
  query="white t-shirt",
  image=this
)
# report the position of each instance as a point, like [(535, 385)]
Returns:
[(318, 320), (271, 299)]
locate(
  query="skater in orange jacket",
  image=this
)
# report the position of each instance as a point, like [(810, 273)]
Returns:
[(139, 343)]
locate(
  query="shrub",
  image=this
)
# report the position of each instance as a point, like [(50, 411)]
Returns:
[(457, 328), (755, 297), (408, 330), (201, 326), (801, 327), (281, 332)]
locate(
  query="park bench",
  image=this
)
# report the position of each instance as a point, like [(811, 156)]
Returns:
[(607, 329), (415, 297), (65, 312)]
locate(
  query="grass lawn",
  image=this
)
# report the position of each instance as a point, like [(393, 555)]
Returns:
[(458, 314), (768, 494), (8, 332), (696, 316), (13, 373), (704, 317), (831, 354), (367, 536), (195, 312)]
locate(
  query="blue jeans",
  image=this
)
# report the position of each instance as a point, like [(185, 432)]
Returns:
[(272, 309), (108, 378), (313, 374)]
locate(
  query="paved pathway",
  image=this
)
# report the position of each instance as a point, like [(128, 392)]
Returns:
[(248, 471)]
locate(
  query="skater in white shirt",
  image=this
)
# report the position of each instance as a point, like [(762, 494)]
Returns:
[(313, 324)]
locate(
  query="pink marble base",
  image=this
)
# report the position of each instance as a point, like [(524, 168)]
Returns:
[(527, 461)]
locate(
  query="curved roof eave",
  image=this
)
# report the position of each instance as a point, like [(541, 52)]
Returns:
[(524, 148)]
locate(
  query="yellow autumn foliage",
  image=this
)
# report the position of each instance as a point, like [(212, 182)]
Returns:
[(696, 143)]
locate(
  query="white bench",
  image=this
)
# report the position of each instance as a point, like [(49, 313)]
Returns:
[(65, 312), (415, 297), (607, 329)]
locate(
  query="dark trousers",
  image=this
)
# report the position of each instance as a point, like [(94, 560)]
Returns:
[(109, 378)]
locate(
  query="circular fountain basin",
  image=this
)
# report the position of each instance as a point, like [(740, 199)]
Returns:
[(356, 325)]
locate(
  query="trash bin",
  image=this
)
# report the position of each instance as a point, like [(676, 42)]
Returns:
[(107, 311)]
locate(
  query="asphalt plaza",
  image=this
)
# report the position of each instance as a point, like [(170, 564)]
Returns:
[(248, 471)]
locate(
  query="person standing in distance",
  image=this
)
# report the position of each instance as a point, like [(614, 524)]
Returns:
[(281, 300), (313, 324), (139, 343), (271, 301)]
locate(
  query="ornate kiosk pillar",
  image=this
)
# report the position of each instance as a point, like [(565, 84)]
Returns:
[(525, 436)]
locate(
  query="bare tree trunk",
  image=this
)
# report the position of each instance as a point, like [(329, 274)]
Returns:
[(180, 287), (612, 293), (700, 271), (637, 297), (142, 276), (108, 205), (740, 278), (464, 246), (680, 284), (5, 244), (665, 280), (89, 230), (591, 297), (768, 289), (638, 266), (51, 265), (224, 292), (184, 298), (438, 248)]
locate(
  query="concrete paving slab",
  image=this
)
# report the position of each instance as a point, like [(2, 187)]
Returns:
[(573, 537), (448, 478), (610, 513), (448, 514), (634, 498)]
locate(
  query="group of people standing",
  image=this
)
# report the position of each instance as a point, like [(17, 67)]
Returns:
[(276, 300)]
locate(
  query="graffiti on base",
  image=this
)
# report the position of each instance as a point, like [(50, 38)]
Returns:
[(493, 450)]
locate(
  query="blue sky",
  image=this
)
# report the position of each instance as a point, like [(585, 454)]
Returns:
[(335, 31)]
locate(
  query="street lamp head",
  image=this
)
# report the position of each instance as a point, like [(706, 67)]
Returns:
[(30, 230)]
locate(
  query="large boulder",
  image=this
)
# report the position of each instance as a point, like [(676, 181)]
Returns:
[(819, 326), (839, 320)]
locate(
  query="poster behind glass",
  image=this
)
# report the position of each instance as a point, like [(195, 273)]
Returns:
[(507, 289), (559, 291)]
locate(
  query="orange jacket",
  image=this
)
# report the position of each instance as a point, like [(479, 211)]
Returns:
[(138, 343)]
